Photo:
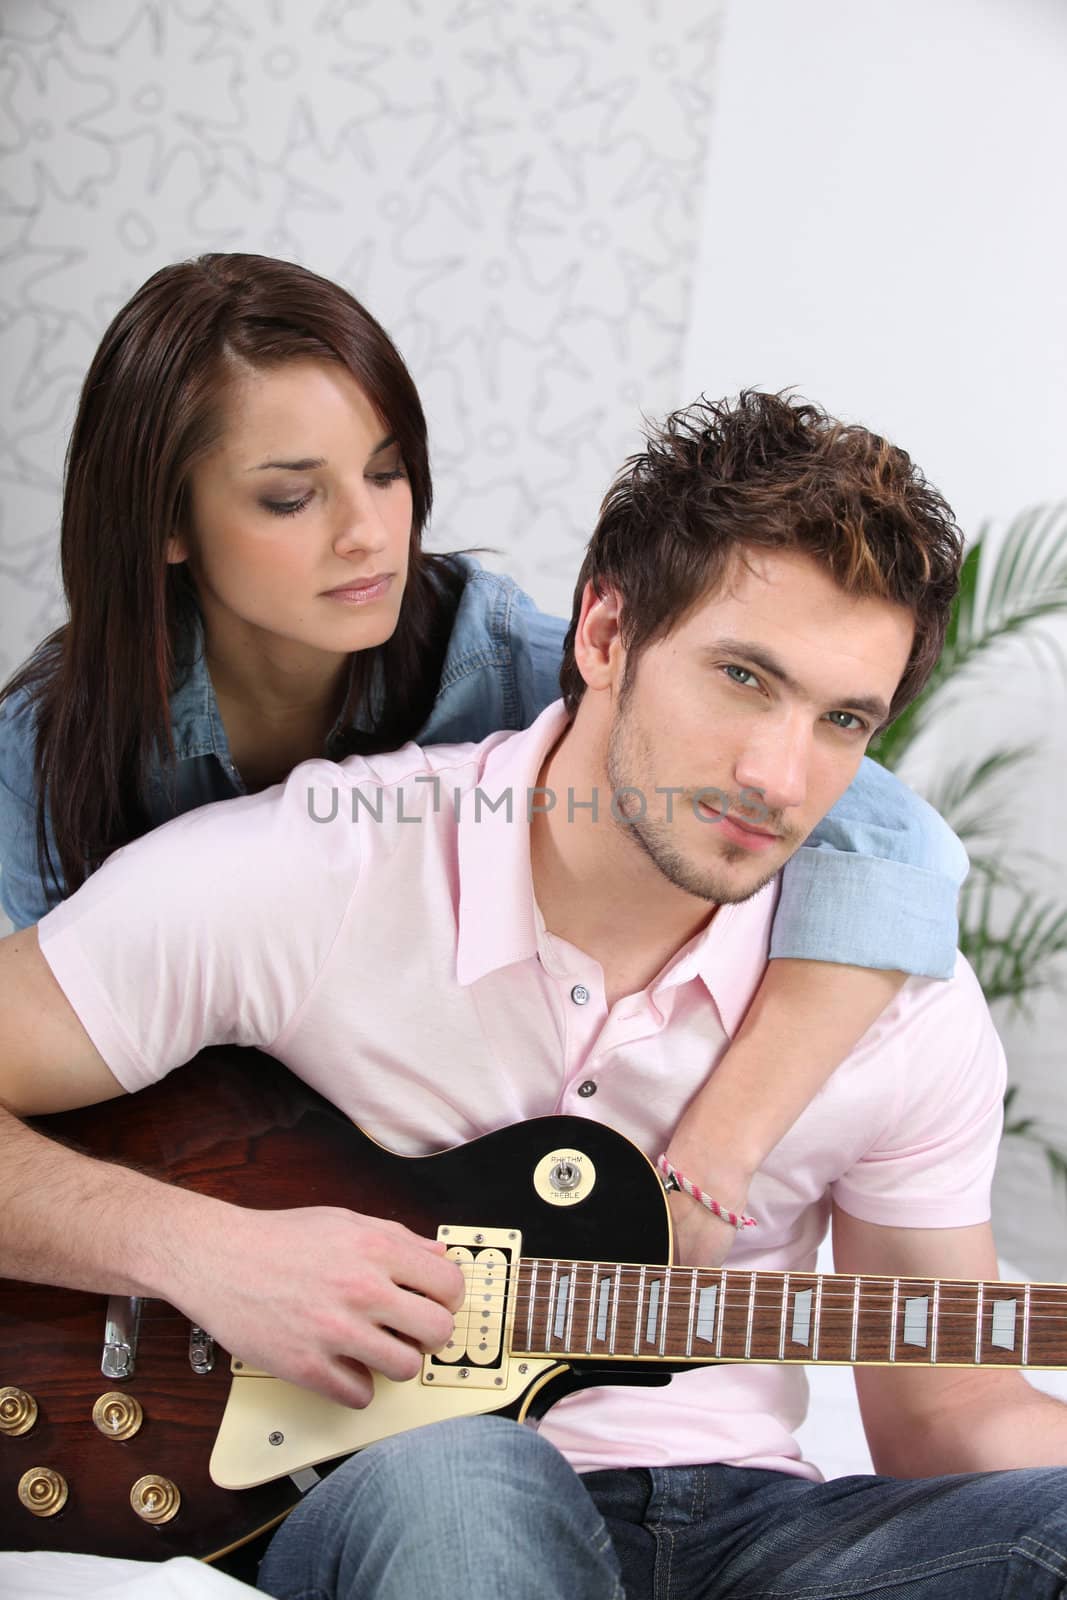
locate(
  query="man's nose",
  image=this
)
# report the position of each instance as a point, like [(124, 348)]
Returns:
[(776, 761)]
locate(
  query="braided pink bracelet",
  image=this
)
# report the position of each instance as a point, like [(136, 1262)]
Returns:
[(673, 1179)]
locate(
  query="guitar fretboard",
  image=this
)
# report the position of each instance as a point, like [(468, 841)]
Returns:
[(681, 1314)]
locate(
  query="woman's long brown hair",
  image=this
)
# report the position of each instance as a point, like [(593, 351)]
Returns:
[(149, 410)]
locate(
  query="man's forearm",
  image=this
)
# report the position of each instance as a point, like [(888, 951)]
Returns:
[(1002, 1423), (68, 1219)]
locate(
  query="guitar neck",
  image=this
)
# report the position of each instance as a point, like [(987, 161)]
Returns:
[(607, 1311)]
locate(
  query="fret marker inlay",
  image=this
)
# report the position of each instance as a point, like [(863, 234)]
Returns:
[(1003, 1335), (801, 1329), (916, 1312), (602, 1310), (652, 1320), (563, 1285), (706, 1312)]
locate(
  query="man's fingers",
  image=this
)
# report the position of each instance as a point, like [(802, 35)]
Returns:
[(432, 1276)]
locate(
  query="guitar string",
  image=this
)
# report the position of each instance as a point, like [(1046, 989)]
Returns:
[(874, 1290)]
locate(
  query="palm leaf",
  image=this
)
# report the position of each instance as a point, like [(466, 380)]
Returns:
[(1014, 955), (1027, 1128), (1009, 592), (966, 794), (1006, 590)]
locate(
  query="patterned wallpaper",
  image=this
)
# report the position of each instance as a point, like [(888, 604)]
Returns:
[(513, 188)]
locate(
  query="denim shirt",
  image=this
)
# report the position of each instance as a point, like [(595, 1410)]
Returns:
[(875, 885)]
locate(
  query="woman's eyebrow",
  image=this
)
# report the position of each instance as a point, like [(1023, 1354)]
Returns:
[(310, 463), (306, 464)]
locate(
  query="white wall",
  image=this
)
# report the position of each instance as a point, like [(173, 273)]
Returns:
[(885, 229), (513, 189)]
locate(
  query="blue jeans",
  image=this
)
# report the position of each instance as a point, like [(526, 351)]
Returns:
[(482, 1509)]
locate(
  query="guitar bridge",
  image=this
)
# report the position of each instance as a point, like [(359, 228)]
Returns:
[(475, 1357)]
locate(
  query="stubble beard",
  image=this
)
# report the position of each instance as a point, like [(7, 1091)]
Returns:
[(629, 766)]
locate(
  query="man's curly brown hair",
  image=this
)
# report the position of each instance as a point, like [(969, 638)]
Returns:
[(768, 472)]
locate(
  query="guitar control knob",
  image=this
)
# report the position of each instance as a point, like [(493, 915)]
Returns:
[(155, 1499), (118, 1416), (18, 1412), (43, 1491)]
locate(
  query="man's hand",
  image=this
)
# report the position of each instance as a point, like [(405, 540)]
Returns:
[(322, 1297)]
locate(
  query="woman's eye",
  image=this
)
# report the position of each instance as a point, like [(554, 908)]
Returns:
[(286, 508), (382, 480)]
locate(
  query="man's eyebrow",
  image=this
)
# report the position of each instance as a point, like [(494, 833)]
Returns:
[(872, 704), (310, 463)]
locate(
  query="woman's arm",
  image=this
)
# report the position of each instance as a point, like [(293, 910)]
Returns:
[(868, 900)]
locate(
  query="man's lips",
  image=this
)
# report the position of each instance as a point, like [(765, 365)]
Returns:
[(744, 833)]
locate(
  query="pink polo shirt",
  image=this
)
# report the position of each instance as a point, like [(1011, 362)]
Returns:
[(373, 926)]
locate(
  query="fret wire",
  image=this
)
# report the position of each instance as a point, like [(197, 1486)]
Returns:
[(751, 1315), (551, 1312), (818, 1319), (933, 1321), (1026, 1324), (637, 1315), (855, 1318), (692, 1310), (533, 1302), (722, 1311), (978, 1325), (666, 1310), (592, 1309), (893, 1314), (785, 1313), (568, 1331)]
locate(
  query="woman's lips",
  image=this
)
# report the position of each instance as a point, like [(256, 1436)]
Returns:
[(362, 591)]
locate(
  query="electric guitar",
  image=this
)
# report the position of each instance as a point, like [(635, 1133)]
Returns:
[(124, 1431)]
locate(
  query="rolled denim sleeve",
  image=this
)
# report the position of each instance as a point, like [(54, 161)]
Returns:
[(876, 884), (23, 895)]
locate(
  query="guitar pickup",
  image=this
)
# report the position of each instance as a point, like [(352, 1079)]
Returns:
[(476, 1355)]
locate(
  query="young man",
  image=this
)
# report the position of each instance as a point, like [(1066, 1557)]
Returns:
[(593, 898)]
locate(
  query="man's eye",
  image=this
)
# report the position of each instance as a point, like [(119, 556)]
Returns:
[(738, 674), (848, 721), (286, 508)]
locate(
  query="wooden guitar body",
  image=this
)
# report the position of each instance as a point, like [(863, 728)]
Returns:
[(237, 1125)]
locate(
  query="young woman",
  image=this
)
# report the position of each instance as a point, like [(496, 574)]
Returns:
[(246, 490)]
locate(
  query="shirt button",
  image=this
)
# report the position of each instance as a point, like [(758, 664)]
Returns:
[(579, 994), (587, 1088)]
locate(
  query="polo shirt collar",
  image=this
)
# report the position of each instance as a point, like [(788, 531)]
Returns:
[(497, 915)]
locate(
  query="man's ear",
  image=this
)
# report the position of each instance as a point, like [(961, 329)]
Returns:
[(598, 648)]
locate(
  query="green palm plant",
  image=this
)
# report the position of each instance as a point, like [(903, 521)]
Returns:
[(1013, 930)]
